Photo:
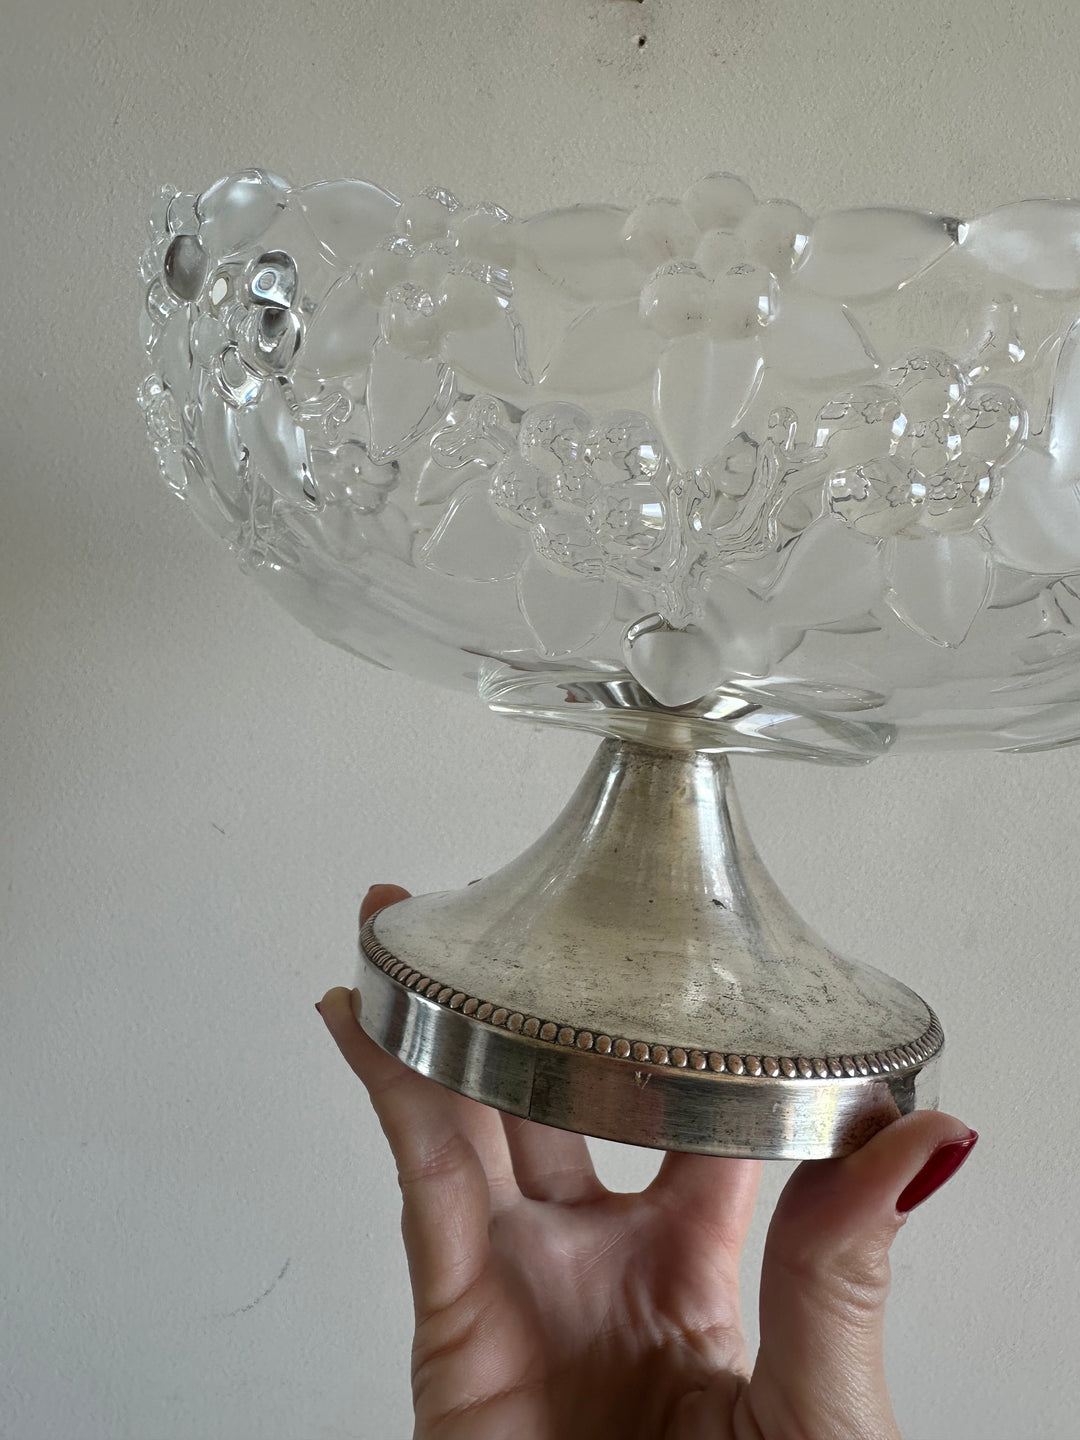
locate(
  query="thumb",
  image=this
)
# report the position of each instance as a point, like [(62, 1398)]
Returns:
[(825, 1279)]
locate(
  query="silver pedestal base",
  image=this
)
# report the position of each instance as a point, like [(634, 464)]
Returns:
[(637, 975)]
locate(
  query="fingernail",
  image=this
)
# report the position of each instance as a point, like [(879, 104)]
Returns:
[(318, 1007), (942, 1165)]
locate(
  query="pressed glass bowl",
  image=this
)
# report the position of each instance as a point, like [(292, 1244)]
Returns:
[(811, 484), (704, 475)]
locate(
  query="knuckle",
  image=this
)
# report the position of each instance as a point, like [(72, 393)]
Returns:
[(438, 1161), (854, 1273)]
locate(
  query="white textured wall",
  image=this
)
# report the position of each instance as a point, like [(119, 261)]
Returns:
[(199, 1227)]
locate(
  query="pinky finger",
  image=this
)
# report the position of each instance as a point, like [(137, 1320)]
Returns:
[(446, 1200)]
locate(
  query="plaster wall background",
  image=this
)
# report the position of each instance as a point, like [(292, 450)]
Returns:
[(199, 1236)]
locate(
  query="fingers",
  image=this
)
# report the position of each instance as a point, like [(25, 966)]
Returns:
[(712, 1193), (481, 1125), (378, 897), (547, 1164), (825, 1279), (551, 1164), (452, 1161)]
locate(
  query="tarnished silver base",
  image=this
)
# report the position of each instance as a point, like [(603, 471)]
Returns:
[(637, 975)]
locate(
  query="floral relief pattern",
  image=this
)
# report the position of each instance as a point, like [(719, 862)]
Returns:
[(687, 410)]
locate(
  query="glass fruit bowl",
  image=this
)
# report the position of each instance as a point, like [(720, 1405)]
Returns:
[(703, 476)]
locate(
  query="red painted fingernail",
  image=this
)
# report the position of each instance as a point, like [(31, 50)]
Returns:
[(942, 1165)]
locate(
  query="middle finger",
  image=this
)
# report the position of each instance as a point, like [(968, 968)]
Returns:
[(551, 1164)]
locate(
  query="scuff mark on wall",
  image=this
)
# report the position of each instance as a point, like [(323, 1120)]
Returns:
[(231, 1315)]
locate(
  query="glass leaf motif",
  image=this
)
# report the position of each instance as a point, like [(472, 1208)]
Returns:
[(858, 253), (937, 584), (348, 218), (275, 444), (221, 454), (702, 388), (352, 536), (390, 531), (1035, 520), (1036, 242), (606, 349), (750, 637), (435, 484), (490, 357), (212, 510), (563, 611), (341, 336), (182, 216), (580, 250), (171, 351), (406, 399), (471, 542), (832, 574), (263, 539), (813, 338), (238, 209), (1063, 431)]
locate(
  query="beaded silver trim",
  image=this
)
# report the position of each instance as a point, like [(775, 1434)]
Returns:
[(644, 1052)]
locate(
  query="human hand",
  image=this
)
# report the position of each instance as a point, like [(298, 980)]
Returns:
[(548, 1307)]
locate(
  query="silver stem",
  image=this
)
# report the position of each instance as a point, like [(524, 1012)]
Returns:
[(642, 936)]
